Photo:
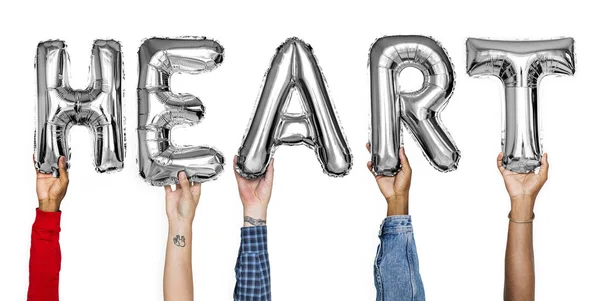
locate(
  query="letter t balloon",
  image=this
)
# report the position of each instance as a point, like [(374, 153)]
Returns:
[(520, 65)]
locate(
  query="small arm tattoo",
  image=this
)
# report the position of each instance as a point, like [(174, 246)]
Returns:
[(179, 240), (254, 221)]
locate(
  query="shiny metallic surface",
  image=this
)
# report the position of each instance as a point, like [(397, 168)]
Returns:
[(294, 68), (521, 65), (160, 110), (418, 110), (98, 107)]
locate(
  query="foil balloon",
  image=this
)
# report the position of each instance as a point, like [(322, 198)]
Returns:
[(160, 110), (520, 65), (294, 68), (418, 110), (97, 107)]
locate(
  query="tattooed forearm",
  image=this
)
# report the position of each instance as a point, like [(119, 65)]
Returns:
[(255, 222), (179, 240)]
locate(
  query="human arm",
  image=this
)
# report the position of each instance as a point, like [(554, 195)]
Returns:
[(519, 277), (252, 270), (181, 203), (396, 268), (45, 255)]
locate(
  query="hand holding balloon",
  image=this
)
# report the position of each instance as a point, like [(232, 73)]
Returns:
[(523, 188), (519, 275), (395, 188), (255, 195), (51, 190), (182, 202)]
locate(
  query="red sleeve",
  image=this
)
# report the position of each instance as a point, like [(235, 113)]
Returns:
[(44, 260)]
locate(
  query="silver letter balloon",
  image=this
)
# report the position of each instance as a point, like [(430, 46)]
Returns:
[(97, 107), (520, 65), (294, 67), (160, 110), (419, 110)]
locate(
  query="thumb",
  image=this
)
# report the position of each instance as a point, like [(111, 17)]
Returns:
[(62, 170), (544, 167), (184, 183)]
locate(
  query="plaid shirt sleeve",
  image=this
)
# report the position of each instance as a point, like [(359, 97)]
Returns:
[(252, 270)]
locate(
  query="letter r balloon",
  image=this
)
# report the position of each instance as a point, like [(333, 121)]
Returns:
[(97, 107), (520, 65), (160, 110), (419, 110)]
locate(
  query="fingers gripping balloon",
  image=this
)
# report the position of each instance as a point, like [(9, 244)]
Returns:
[(520, 65), (98, 107), (294, 67), (419, 110), (160, 110)]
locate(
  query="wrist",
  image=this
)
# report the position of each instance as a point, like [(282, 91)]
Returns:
[(397, 205), (256, 211), (180, 226), (255, 215), (522, 207), (522, 198), (397, 209), (49, 205)]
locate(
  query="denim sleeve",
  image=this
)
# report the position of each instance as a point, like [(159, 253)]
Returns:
[(252, 270), (397, 275)]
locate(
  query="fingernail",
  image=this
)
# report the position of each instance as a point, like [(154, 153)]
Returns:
[(182, 175)]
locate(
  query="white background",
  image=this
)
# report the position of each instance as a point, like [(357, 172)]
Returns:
[(322, 230)]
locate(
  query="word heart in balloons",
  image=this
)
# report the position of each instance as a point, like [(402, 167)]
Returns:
[(419, 110), (520, 65), (97, 107), (294, 67)]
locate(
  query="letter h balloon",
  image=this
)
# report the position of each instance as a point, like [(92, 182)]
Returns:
[(97, 107)]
